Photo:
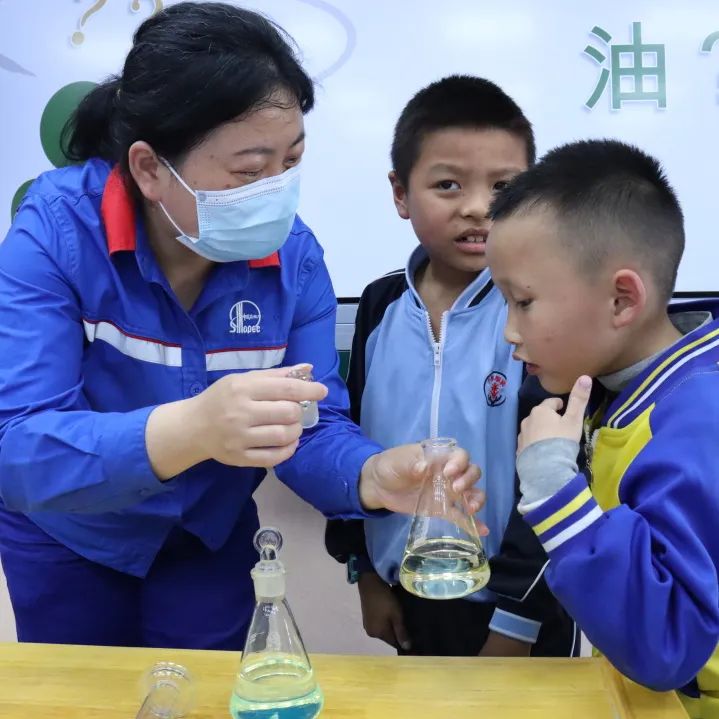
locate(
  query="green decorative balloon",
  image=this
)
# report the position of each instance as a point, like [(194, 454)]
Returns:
[(56, 113), (17, 199)]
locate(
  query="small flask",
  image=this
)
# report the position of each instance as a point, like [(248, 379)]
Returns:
[(310, 411), (168, 690), (275, 680), (444, 557)]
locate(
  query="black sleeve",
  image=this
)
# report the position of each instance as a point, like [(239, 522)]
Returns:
[(518, 568), (346, 537)]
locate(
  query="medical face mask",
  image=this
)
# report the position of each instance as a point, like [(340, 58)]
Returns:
[(245, 223)]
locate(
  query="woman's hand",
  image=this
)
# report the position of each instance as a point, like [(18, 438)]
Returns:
[(245, 420), (392, 480)]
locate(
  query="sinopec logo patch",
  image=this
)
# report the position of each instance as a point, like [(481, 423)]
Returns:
[(245, 318)]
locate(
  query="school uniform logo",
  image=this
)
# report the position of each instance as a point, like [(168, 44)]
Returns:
[(494, 389), (245, 318)]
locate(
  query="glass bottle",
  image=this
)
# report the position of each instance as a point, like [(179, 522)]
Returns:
[(275, 680), (444, 557), (310, 410), (168, 690)]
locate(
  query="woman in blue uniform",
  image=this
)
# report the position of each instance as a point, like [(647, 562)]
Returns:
[(152, 299)]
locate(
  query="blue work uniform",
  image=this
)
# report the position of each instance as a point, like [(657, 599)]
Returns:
[(92, 339)]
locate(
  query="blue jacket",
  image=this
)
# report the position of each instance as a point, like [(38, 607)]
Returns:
[(92, 338), (634, 555), (407, 385), (445, 383)]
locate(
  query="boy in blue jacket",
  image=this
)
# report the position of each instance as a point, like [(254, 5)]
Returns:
[(429, 359), (585, 247)]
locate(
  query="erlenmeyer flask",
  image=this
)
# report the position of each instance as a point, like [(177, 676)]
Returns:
[(275, 680), (444, 558)]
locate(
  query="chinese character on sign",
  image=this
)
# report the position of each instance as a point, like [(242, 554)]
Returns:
[(637, 71), (709, 41)]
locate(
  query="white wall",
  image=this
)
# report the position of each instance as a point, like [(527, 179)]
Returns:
[(534, 50)]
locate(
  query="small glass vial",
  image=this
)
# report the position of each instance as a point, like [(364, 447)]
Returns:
[(310, 411), (168, 690)]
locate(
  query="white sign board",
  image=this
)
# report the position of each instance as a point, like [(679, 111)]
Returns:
[(644, 71)]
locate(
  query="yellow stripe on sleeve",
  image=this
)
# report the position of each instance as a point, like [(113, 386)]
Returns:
[(579, 501)]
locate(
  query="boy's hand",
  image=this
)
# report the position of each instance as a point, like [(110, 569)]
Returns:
[(545, 422), (499, 645), (381, 612)]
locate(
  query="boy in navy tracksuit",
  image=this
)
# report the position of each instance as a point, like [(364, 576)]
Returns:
[(585, 248), (429, 359)]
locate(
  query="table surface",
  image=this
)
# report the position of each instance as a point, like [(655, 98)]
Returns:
[(58, 682)]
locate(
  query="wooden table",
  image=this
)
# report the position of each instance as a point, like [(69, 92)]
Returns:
[(58, 682)]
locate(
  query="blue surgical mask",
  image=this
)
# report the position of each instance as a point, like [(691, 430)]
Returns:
[(245, 223)]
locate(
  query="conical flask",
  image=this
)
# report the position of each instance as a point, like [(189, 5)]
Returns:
[(444, 558), (275, 679)]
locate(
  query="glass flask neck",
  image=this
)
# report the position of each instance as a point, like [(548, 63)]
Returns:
[(439, 445), (436, 453)]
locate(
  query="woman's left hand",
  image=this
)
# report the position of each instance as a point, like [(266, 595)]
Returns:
[(392, 480)]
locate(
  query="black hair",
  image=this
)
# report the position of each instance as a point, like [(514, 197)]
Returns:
[(457, 101), (192, 67), (607, 197)]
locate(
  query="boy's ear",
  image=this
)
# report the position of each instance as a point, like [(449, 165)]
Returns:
[(630, 297), (399, 195)]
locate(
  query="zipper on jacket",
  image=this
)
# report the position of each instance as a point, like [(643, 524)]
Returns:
[(437, 348)]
